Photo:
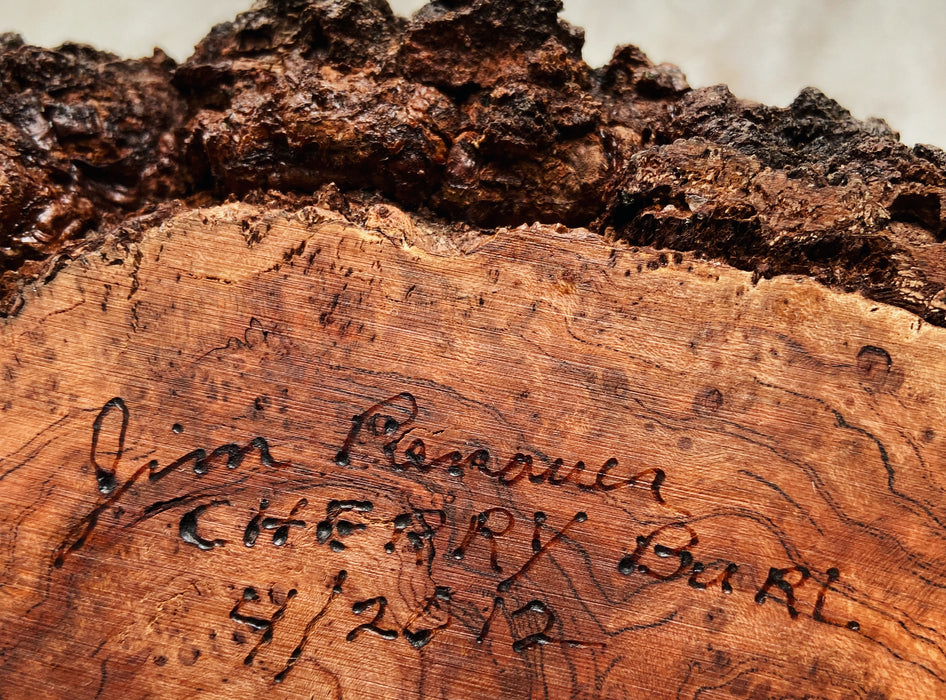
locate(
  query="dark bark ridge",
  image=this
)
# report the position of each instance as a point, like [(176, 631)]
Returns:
[(477, 112)]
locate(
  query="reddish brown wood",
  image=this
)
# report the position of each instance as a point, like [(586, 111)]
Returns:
[(189, 507), (266, 433)]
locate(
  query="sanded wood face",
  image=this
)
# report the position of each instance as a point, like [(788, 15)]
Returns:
[(263, 453)]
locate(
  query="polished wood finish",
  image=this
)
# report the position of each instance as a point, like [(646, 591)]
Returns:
[(260, 452)]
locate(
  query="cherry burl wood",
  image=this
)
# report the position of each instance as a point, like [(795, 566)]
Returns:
[(189, 508)]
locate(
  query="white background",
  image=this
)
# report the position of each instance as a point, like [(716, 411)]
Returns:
[(877, 58)]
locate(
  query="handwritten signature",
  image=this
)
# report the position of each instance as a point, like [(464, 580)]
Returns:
[(378, 434)]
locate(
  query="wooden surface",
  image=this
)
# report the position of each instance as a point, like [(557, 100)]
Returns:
[(190, 510)]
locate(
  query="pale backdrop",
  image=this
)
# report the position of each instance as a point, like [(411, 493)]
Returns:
[(877, 58)]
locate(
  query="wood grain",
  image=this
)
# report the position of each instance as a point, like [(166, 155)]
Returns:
[(265, 452)]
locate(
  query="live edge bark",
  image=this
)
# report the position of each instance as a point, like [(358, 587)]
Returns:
[(298, 400)]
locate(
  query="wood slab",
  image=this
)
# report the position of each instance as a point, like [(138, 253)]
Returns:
[(262, 452)]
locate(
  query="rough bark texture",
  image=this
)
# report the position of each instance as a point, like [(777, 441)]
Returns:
[(361, 432), (481, 112)]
